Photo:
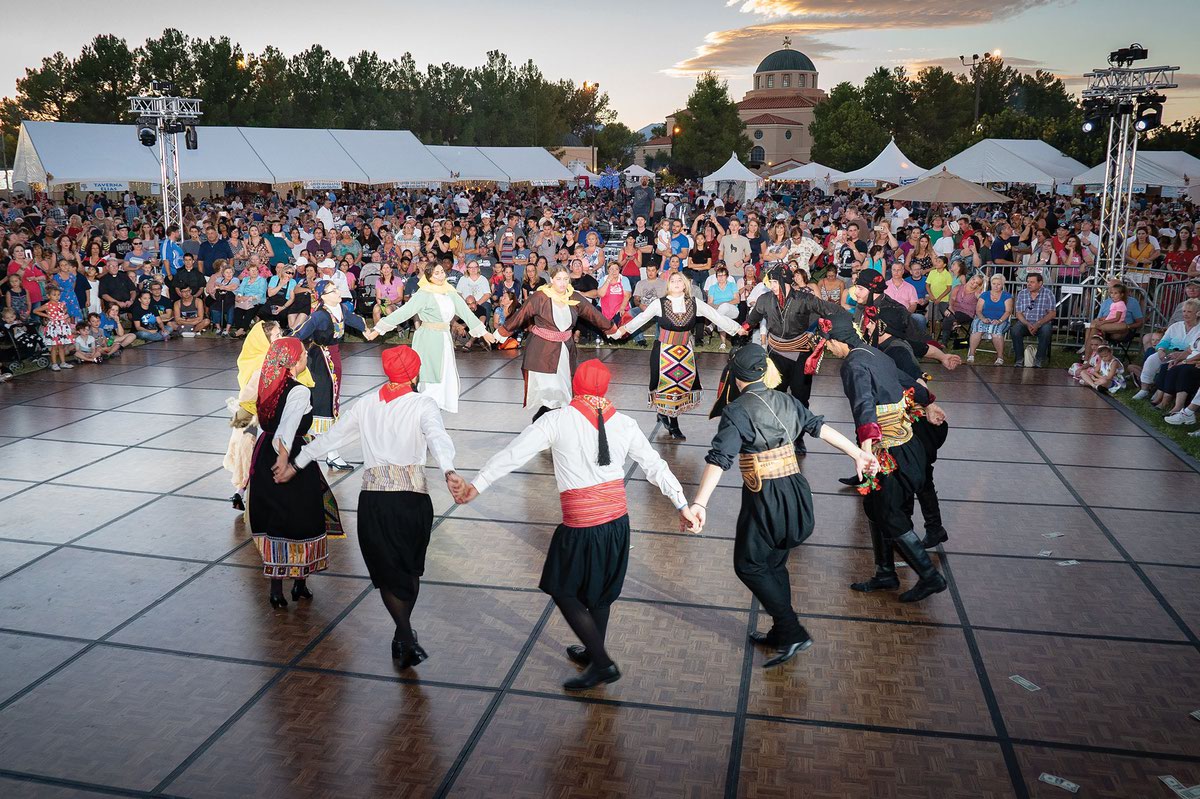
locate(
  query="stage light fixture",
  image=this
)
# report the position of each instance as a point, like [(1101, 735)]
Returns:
[(147, 132), (1127, 55), (190, 139), (1149, 112)]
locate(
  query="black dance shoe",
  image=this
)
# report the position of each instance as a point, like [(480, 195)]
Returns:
[(338, 464), (592, 676), (852, 480), (277, 601), (407, 655), (931, 582), (300, 591), (926, 586), (934, 536), (786, 653), (579, 655), (882, 581), (676, 433), (236, 502), (762, 639)]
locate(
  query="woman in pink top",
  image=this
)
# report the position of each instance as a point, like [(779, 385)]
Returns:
[(963, 300), (614, 294)]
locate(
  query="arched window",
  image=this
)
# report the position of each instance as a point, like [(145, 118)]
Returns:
[(787, 81), (758, 134), (803, 82), (758, 155), (756, 78), (770, 81)]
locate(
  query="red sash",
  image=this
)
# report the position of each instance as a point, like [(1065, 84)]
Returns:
[(552, 335), (594, 505)]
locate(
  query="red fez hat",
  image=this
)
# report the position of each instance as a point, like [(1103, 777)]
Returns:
[(401, 364), (591, 378)]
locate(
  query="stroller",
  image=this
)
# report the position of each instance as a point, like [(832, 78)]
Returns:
[(21, 342)]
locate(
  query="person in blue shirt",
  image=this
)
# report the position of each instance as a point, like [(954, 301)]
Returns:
[(916, 279), (172, 252)]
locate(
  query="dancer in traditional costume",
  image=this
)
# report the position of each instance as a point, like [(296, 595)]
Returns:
[(291, 522), (395, 516), (869, 293), (791, 313), (436, 303), (552, 313), (589, 553), (884, 402), (243, 408), (868, 289), (323, 334), (760, 430), (674, 379)]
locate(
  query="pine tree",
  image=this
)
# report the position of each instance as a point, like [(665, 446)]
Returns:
[(709, 130)]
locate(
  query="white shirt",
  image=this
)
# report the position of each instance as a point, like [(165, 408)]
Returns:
[(804, 251), (400, 433), (338, 278), (899, 217), (944, 246), (574, 443), (295, 405), (477, 287), (654, 310), (326, 218)]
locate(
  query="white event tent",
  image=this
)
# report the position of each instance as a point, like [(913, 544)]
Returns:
[(533, 165), (1013, 161), (54, 154), (635, 171), (812, 171), (890, 166), (733, 178), (468, 165), (1167, 169), (391, 156)]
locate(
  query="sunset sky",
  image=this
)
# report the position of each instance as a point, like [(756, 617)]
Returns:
[(645, 54)]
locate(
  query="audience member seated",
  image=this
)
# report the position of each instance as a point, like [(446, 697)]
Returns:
[(1034, 310)]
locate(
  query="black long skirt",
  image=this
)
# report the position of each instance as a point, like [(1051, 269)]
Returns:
[(885, 506), (290, 521), (588, 563), (393, 534), (780, 516)]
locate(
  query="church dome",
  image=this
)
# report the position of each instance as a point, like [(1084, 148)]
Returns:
[(786, 61)]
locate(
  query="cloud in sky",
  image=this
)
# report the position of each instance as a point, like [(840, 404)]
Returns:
[(801, 19)]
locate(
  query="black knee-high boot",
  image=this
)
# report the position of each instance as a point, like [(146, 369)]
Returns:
[(276, 596), (931, 580), (931, 511), (676, 433), (885, 578)]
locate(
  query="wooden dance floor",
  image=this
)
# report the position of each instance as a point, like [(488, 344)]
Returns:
[(139, 656)]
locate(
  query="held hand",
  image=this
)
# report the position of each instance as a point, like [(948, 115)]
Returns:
[(865, 463), (287, 474), (468, 493), (455, 483), (700, 514), (935, 413), (687, 520), (952, 362), (490, 339)]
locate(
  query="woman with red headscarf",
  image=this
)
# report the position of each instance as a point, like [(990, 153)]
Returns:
[(589, 553), (397, 427), (290, 521)]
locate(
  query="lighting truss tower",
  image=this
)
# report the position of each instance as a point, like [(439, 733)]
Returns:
[(170, 116), (1113, 92)]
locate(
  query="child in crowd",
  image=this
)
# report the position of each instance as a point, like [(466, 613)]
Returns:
[(1076, 370), (1107, 373), (56, 330), (109, 329), (1116, 311), (86, 350), (16, 298)]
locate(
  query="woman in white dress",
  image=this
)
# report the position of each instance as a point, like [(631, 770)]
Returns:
[(436, 303)]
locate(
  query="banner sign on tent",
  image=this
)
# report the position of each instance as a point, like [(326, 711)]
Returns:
[(906, 181), (863, 184), (322, 185), (105, 185), (1139, 188), (1171, 192)]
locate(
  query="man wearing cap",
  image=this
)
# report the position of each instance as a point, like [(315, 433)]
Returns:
[(761, 430), (121, 245), (397, 427), (589, 553)]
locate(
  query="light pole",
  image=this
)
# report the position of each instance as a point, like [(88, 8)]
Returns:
[(976, 59), (590, 87)]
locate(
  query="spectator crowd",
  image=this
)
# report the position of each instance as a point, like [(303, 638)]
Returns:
[(90, 275)]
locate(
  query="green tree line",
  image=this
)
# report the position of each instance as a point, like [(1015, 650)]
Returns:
[(931, 116), (497, 104)]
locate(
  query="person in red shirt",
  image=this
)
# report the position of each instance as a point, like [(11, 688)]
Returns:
[(1182, 251)]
